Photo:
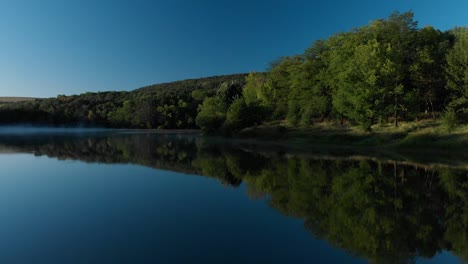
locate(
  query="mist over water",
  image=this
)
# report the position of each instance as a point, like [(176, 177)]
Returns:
[(29, 129)]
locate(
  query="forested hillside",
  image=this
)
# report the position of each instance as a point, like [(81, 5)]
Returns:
[(169, 105), (15, 99), (386, 72)]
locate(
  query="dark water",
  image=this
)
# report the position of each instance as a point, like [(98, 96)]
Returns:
[(112, 197)]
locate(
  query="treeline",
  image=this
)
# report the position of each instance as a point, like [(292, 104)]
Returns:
[(388, 71), (385, 72), (169, 106)]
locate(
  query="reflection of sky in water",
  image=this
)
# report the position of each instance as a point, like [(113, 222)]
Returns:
[(68, 211), (72, 212), (444, 257)]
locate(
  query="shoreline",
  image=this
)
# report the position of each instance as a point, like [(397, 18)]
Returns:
[(410, 135), (308, 142)]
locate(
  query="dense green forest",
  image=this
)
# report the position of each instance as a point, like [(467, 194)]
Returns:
[(385, 211), (169, 105), (386, 72)]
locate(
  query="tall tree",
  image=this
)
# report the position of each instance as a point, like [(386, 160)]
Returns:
[(427, 69), (212, 114), (457, 73), (279, 83), (310, 96), (370, 69)]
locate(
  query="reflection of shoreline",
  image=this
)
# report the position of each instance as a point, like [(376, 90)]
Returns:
[(9, 151), (417, 157), (26, 143), (104, 148), (406, 209), (416, 165)]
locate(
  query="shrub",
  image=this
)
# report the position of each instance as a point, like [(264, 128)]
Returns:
[(449, 120)]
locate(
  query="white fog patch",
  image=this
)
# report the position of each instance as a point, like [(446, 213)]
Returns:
[(20, 130)]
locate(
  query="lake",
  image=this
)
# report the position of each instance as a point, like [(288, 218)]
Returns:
[(103, 196)]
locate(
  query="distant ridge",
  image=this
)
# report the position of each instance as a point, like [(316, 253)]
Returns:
[(15, 99), (171, 105), (193, 83)]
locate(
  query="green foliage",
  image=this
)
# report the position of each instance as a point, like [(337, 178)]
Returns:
[(241, 114), (168, 105), (450, 120), (294, 112), (279, 83), (427, 69), (360, 96), (386, 70), (199, 95), (255, 89), (310, 95), (370, 68), (212, 114), (229, 92), (457, 62), (236, 114), (122, 114), (457, 73), (307, 115)]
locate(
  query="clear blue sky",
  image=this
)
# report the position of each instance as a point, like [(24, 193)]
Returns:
[(52, 47)]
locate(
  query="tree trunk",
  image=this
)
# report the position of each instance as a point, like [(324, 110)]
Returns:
[(396, 110), (432, 109), (430, 100), (395, 181)]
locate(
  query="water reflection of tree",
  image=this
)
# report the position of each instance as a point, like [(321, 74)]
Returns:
[(383, 211)]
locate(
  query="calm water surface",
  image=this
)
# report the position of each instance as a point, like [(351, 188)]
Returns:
[(114, 197)]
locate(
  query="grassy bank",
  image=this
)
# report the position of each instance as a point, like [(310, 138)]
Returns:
[(409, 135)]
